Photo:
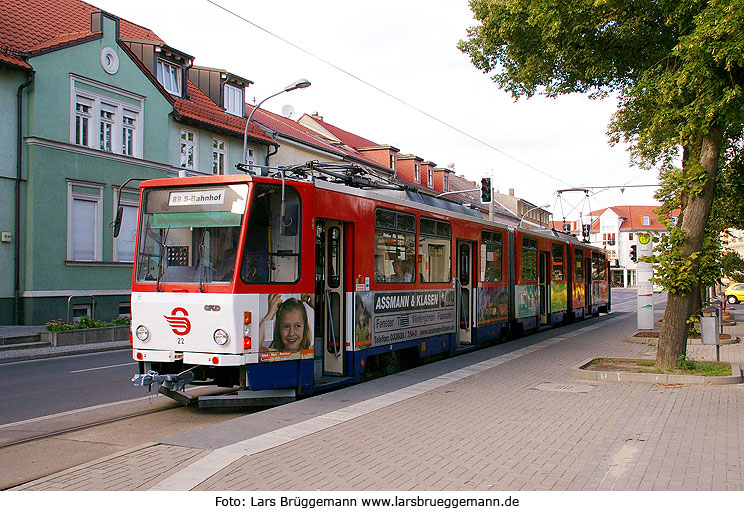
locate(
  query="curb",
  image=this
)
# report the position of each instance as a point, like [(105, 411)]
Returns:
[(691, 341), (578, 372), (12, 356)]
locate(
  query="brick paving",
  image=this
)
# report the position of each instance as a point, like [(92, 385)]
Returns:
[(514, 420)]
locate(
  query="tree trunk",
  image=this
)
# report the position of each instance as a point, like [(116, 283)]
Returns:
[(673, 336)]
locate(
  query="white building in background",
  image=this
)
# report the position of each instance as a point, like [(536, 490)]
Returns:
[(616, 229)]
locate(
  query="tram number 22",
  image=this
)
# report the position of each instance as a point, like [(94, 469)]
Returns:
[(180, 341)]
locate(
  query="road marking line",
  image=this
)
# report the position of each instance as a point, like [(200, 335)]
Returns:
[(102, 367)]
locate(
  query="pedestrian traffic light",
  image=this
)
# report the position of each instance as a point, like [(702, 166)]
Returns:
[(486, 190), (634, 253)]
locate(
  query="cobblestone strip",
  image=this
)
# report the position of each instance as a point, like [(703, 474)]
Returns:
[(135, 469)]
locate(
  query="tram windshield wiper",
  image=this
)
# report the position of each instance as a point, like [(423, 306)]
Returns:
[(199, 266), (161, 269)]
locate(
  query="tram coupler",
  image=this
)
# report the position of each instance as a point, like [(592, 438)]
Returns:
[(172, 385)]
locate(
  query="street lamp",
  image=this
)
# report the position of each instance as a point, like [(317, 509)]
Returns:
[(299, 83), (530, 210)]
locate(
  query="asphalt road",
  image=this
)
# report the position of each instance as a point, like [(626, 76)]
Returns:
[(30, 389)]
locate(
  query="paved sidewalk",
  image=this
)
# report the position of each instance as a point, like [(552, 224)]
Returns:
[(506, 418)]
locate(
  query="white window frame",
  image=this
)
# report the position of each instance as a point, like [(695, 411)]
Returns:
[(97, 223), (646, 220), (167, 74), (219, 154), (233, 100), (128, 202), (87, 307), (430, 178), (126, 306), (127, 117), (445, 183), (193, 145), (416, 173)]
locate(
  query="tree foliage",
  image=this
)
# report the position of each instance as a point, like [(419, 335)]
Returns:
[(677, 70)]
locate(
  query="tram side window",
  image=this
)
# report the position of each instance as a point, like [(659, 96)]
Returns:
[(599, 266), (529, 259), (271, 252), (579, 265), (395, 247), (491, 257), (558, 269), (435, 250)]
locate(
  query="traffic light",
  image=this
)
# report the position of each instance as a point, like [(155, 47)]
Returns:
[(634, 253), (486, 190)]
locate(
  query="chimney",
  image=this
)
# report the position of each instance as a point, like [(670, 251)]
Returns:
[(511, 192), (316, 116)]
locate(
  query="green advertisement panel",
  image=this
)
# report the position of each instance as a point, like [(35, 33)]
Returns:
[(558, 298), (526, 300)]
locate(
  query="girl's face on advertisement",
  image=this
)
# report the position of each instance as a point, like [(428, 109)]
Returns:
[(291, 329)]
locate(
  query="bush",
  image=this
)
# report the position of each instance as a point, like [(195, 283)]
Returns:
[(85, 323)]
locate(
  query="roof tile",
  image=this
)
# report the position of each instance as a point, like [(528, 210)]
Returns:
[(36, 25)]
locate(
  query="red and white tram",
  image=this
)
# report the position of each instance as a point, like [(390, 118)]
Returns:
[(306, 279)]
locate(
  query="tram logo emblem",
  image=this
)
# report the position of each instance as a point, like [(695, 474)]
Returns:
[(180, 324)]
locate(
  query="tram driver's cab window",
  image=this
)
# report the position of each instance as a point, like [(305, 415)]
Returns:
[(435, 250), (271, 252), (190, 235), (395, 247)]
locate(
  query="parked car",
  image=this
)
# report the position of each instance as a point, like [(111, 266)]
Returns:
[(734, 293)]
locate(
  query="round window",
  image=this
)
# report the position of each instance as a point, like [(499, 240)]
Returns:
[(109, 60)]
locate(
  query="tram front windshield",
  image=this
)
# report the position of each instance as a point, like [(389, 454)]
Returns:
[(190, 235)]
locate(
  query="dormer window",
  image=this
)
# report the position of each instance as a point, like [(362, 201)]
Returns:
[(392, 161), (430, 178), (446, 183), (169, 75), (646, 220), (233, 100), (416, 173)]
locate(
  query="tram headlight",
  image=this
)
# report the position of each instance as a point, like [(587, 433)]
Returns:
[(220, 337), (143, 333)]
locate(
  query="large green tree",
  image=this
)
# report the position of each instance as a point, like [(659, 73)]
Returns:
[(676, 68)]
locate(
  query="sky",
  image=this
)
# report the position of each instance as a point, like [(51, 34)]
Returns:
[(390, 71)]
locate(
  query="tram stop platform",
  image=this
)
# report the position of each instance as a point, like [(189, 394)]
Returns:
[(509, 417)]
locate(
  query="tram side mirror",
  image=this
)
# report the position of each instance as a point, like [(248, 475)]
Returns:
[(290, 219), (117, 221)]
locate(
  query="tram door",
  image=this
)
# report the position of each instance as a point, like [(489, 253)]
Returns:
[(466, 291), (333, 299), (587, 287), (544, 286)]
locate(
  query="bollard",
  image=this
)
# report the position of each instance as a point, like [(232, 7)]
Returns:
[(709, 330)]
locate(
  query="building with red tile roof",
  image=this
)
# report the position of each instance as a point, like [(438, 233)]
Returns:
[(103, 100), (616, 229)]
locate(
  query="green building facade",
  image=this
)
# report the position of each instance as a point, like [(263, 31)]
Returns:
[(98, 111)]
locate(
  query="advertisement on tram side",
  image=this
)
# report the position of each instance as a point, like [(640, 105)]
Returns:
[(525, 300), (285, 331), (383, 318), (493, 304), (558, 298)]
